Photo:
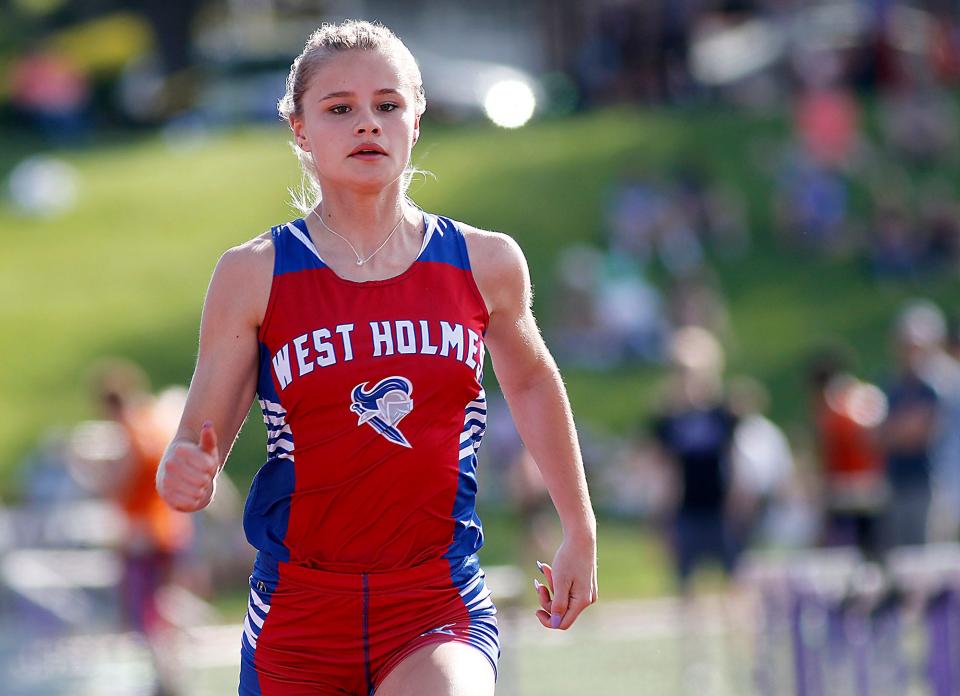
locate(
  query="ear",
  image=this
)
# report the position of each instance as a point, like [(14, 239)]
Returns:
[(299, 136), (416, 129)]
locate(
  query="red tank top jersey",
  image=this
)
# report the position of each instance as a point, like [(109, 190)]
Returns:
[(372, 398)]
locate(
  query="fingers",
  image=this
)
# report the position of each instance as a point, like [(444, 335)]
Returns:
[(547, 573), (549, 607), (569, 598), (186, 499), (576, 602), (561, 602), (543, 595), (544, 618), (185, 478)]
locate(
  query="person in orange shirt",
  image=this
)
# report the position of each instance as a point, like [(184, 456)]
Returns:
[(846, 413), (155, 534)]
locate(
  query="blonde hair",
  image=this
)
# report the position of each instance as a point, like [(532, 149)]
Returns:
[(322, 44)]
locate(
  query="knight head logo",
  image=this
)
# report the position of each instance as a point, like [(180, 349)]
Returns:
[(384, 405)]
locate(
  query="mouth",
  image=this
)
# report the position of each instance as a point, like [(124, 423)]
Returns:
[(368, 150)]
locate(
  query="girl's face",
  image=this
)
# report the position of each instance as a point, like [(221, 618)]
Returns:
[(358, 121)]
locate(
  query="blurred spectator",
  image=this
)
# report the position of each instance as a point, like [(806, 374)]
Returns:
[(907, 433), (896, 250), (813, 206), (695, 432), (945, 46), (632, 210), (576, 328), (943, 371), (52, 92), (46, 479), (597, 67), (845, 413), (679, 243), (673, 220), (155, 533), (939, 225), (762, 461), (726, 221), (629, 311), (696, 301), (519, 484), (826, 116), (540, 530), (918, 119), (926, 330), (672, 46), (610, 313), (794, 517)]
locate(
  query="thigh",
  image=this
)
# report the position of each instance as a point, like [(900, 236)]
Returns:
[(441, 669)]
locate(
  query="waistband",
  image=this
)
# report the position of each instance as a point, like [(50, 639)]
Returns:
[(439, 569)]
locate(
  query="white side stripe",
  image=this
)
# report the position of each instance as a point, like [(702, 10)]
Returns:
[(261, 605), (248, 632), (472, 584), (480, 599), (272, 407), (252, 615)]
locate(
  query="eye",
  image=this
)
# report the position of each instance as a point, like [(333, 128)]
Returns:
[(339, 109), (389, 106)]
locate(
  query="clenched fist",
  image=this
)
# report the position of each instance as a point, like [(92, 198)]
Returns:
[(185, 477)]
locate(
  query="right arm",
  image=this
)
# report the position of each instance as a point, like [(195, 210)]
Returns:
[(224, 379)]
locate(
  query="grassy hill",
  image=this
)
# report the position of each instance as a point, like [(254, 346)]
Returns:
[(125, 271)]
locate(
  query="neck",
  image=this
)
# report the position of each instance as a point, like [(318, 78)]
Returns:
[(363, 218)]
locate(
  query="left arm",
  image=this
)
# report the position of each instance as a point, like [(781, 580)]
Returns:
[(534, 390)]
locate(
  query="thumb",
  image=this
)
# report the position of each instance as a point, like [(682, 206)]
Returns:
[(208, 440), (561, 599)]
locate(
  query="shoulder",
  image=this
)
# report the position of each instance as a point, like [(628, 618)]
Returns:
[(499, 267), (501, 247), (247, 261), (243, 275)]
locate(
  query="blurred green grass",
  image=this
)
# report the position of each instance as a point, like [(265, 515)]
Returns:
[(125, 271)]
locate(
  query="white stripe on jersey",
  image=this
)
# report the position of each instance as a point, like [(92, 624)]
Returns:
[(248, 632), (295, 231), (261, 605)]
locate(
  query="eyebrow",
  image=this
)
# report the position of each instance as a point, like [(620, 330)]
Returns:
[(340, 95)]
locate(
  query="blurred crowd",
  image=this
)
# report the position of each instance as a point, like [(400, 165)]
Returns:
[(93, 549), (614, 311), (881, 196), (877, 466)]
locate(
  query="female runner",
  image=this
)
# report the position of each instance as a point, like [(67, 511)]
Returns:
[(362, 329)]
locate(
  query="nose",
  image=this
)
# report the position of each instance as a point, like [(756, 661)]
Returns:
[(366, 124)]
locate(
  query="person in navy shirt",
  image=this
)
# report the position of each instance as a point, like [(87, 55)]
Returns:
[(695, 433)]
